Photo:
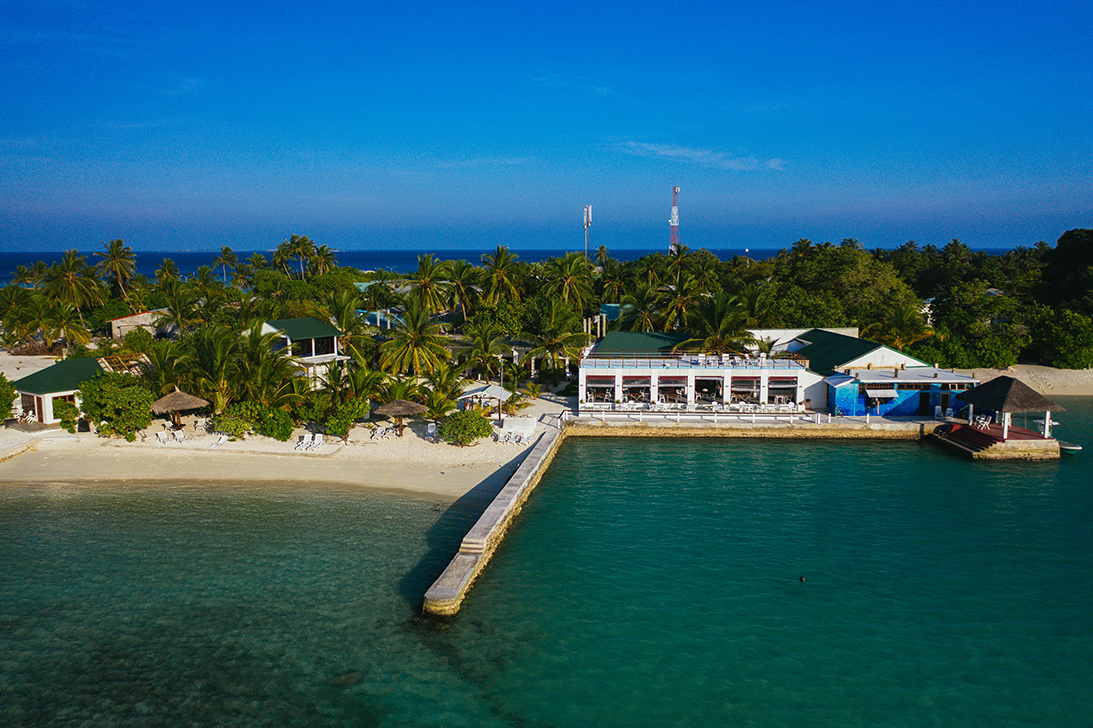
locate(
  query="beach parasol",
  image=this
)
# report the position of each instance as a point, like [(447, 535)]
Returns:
[(400, 408), (175, 402)]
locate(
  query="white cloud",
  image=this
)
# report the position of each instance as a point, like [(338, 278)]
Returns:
[(186, 87), (587, 85), (702, 157)]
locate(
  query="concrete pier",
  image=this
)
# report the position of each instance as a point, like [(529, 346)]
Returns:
[(446, 594)]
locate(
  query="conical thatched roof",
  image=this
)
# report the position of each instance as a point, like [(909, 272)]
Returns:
[(177, 401), (401, 408), (1006, 394)]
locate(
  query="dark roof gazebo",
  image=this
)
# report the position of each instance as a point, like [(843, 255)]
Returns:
[(175, 402), (400, 408), (1008, 395)]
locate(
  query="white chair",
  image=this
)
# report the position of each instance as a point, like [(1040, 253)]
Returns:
[(949, 413), (317, 441), (180, 436), (219, 441), (161, 438), (937, 412), (304, 443), (430, 431)]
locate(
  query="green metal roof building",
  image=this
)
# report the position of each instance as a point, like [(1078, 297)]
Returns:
[(38, 391)]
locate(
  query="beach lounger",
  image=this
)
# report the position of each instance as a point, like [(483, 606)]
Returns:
[(305, 441), (180, 436), (161, 437), (316, 442), (430, 431), (219, 441)]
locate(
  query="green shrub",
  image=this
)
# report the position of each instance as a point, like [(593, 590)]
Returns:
[(7, 395), (119, 404), (463, 428), (67, 413)]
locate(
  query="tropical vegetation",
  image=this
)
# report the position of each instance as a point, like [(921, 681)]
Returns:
[(505, 318)]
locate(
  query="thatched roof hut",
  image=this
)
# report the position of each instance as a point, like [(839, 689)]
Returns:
[(400, 408), (1006, 394), (175, 402)]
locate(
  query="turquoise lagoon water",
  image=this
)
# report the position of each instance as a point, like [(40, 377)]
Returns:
[(647, 583)]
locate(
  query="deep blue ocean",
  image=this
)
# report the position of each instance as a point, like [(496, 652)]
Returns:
[(399, 261), (650, 582)]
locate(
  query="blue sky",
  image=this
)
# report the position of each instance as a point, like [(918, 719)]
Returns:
[(468, 125)]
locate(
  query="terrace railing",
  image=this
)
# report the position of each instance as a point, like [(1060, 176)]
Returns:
[(672, 360)]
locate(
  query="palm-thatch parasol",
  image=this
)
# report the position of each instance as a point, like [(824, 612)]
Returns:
[(175, 402), (1008, 395), (400, 408)]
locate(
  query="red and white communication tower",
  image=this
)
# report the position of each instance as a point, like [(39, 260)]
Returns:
[(673, 235)]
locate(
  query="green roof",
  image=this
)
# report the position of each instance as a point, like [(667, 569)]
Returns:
[(827, 351), (636, 342), (64, 376), (298, 329)]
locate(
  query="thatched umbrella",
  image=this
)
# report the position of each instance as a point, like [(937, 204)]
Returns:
[(175, 402), (1008, 395), (400, 408)]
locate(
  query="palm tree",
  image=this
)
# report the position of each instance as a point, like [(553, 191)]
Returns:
[(640, 310), (66, 324), (428, 284), (558, 338), (719, 326), (447, 379), (487, 346), (211, 363), (756, 301), (323, 260), (261, 370), (903, 326), (570, 279), (166, 272), (502, 274), (397, 388), (168, 367), (416, 345), (226, 259), (462, 285), (344, 306), (299, 247), (118, 264), (71, 279), (363, 383), (678, 302), (181, 305), (602, 256)]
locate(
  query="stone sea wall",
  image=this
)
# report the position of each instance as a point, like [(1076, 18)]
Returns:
[(446, 594)]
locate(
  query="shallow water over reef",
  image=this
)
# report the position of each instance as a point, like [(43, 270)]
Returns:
[(647, 583)]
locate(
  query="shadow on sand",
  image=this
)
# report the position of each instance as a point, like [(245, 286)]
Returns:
[(445, 535)]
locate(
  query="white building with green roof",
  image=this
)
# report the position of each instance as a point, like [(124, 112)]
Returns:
[(632, 370), (312, 343), (38, 392)]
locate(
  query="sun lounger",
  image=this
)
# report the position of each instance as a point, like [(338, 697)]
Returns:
[(316, 442), (180, 436), (304, 443), (161, 437), (219, 441), (430, 431)]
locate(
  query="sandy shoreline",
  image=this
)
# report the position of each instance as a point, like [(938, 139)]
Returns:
[(410, 465)]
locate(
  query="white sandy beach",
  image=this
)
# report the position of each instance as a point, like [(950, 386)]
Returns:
[(410, 464)]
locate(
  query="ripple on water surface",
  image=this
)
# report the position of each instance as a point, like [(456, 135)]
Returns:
[(647, 583)]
